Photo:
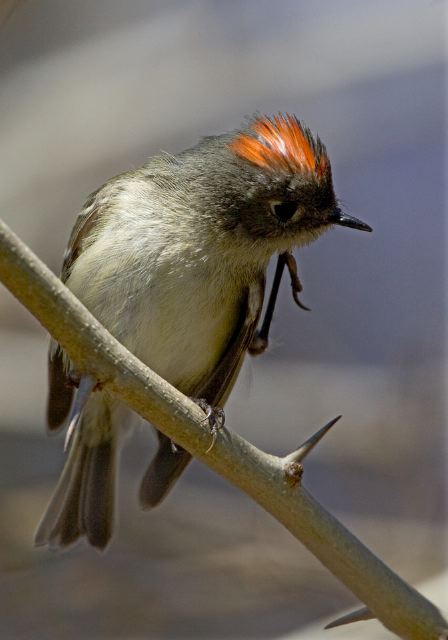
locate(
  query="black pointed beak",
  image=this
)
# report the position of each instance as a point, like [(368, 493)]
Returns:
[(344, 220)]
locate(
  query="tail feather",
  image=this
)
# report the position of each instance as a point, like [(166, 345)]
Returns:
[(83, 503), (66, 529), (50, 524), (99, 499), (162, 473)]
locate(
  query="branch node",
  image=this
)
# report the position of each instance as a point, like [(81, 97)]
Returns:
[(293, 473)]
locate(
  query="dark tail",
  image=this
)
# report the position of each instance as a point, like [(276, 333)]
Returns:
[(84, 500), (162, 473)]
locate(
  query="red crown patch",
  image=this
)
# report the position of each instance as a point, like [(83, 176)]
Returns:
[(281, 144)]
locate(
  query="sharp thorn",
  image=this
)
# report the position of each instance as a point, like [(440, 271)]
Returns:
[(85, 388), (301, 453), (355, 616)]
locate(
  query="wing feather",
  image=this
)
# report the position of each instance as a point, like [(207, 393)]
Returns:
[(60, 394), (218, 385), (167, 465)]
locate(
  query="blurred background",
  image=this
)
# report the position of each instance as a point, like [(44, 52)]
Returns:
[(91, 89)]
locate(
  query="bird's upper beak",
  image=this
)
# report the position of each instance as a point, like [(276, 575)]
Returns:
[(344, 220)]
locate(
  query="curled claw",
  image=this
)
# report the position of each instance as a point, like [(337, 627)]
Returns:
[(292, 267), (215, 417), (218, 418), (214, 432), (298, 302), (296, 285)]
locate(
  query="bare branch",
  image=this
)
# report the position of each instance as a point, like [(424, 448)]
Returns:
[(397, 605)]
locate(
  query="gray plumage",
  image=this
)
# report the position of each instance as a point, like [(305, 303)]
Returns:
[(171, 258)]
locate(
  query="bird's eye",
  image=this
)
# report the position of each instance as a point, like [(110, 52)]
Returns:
[(284, 211)]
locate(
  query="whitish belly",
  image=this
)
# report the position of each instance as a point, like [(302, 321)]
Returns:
[(178, 323), (184, 333)]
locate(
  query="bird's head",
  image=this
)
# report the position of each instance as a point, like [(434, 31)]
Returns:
[(285, 183)]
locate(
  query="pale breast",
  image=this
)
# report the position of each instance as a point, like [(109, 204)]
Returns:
[(183, 326), (165, 284), (175, 315)]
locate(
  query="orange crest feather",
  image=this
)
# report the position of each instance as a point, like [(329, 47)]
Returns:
[(281, 144)]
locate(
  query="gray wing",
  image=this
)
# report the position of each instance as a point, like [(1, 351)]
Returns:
[(60, 391), (167, 465), (218, 385)]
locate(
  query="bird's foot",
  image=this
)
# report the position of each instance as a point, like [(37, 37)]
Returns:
[(215, 417)]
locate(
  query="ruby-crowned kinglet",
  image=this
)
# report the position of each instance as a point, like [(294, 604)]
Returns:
[(171, 258)]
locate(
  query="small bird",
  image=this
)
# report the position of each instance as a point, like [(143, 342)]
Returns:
[(171, 258)]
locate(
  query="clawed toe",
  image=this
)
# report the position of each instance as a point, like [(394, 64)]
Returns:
[(215, 417)]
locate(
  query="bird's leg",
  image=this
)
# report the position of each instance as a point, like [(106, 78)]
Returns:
[(260, 340), (215, 417)]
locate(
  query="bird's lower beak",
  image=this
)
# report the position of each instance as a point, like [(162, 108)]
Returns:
[(344, 220)]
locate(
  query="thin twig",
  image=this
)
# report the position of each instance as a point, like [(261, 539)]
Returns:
[(397, 605)]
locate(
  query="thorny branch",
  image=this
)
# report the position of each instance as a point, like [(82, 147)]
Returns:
[(275, 483)]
